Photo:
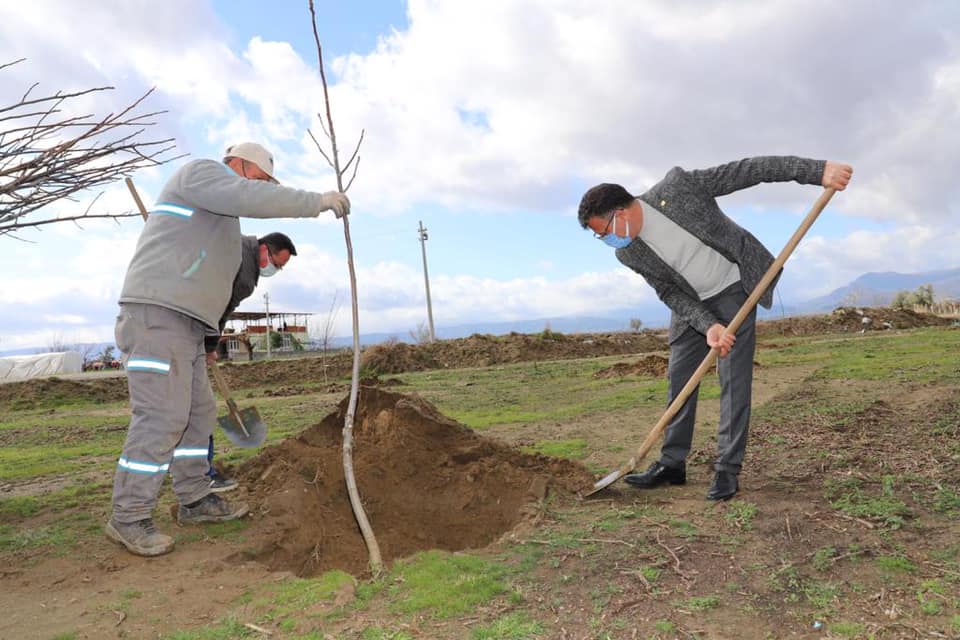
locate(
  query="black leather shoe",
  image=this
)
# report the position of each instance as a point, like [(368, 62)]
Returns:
[(724, 486), (657, 475)]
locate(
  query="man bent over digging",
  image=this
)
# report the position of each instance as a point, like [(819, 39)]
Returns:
[(704, 267)]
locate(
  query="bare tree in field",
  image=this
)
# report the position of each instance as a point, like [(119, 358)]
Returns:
[(47, 154), (333, 158)]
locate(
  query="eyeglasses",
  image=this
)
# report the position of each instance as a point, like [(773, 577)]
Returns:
[(606, 229), (273, 259)]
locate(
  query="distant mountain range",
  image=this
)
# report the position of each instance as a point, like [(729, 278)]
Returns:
[(878, 289), (869, 290)]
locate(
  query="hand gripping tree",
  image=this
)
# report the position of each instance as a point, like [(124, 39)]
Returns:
[(333, 159)]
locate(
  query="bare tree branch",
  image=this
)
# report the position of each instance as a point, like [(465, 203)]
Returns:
[(346, 167), (350, 181), (323, 125), (10, 64), (46, 155), (7, 229), (320, 148)]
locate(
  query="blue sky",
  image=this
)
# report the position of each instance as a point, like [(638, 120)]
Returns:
[(487, 121)]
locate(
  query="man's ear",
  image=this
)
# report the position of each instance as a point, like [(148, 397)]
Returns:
[(263, 256)]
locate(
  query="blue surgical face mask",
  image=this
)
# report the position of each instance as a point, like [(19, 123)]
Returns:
[(269, 270), (615, 241)]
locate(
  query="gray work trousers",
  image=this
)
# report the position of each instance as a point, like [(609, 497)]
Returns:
[(172, 409), (736, 382)]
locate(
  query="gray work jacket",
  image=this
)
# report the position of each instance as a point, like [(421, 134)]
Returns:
[(189, 250), (688, 199)]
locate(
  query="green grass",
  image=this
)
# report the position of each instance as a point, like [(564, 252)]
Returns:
[(895, 564), (290, 602), (823, 558), (684, 528), (947, 501), (664, 626), (378, 633), (19, 507), (85, 496), (911, 356), (914, 355), (67, 442), (441, 585), (231, 531), (60, 537), (227, 630), (513, 626), (701, 603), (850, 498), (847, 629), (822, 596), (436, 591), (571, 449), (741, 514), (535, 392)]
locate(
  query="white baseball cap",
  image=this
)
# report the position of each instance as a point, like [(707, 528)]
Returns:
[(254, 153)]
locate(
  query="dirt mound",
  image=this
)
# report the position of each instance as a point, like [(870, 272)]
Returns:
[(651, 366), (486, 350), (287, 371), (427, 482), (31, 393), (851, 319)]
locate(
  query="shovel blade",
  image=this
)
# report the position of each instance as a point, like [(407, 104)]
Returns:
[(612, 477), (256, 428), (605, 481)]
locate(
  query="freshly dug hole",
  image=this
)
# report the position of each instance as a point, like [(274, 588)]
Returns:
[(427, 482)]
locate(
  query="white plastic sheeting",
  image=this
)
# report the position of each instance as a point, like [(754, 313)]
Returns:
[(40, 365)]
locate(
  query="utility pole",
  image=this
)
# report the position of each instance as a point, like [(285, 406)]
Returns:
[(426, 278), (266, 300)]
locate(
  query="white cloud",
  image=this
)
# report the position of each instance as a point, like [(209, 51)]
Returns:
[(633, 88), (821, 264), (516, 106)]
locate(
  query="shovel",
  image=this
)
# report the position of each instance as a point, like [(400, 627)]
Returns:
[(711, 357), (246, 428)]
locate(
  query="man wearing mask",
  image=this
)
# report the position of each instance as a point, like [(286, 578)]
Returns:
[(176, 289), (703, 266), (261, 258)]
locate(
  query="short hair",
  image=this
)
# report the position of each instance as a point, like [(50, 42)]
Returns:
[(602, 199), (277, 241)]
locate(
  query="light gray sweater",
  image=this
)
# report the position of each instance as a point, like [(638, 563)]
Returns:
[(189, 250)]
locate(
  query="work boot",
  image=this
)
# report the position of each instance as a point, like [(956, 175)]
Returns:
[(220, 483), (656, 475), (211, 508), (140, 537)]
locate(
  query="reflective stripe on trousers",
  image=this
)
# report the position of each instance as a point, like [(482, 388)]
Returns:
[(172, 409)]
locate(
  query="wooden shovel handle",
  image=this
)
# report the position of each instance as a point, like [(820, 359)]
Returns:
[(136, 198)]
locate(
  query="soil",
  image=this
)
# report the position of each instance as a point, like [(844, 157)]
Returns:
[(851, 320), (29, 394), (651, 366), (487, 350), (427, 482), (290, 376)]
